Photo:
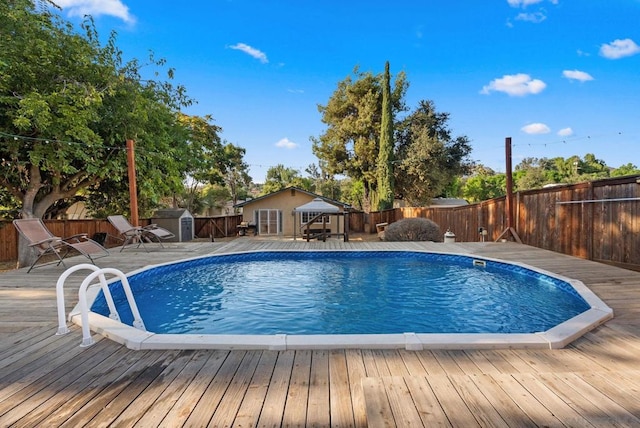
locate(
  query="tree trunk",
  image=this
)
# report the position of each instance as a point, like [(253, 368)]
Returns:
[(26, 254)]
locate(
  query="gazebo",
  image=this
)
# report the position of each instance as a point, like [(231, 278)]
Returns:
[(322, 210)]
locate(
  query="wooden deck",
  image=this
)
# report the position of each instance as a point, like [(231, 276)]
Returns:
[(48, 380)]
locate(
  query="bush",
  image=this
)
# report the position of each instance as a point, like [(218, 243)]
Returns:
[(413, 229)]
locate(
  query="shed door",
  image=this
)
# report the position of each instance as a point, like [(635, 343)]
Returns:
[(269, 222)]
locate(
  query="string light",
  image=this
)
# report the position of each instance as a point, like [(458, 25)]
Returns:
[(565, 141), (141, 149), (76, 143)]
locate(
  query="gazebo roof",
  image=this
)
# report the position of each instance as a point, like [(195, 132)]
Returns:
[(318, 205)]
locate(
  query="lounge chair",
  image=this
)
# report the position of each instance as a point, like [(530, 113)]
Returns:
[(45, 243), (130, 234)]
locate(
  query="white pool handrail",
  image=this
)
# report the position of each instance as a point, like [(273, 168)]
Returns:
[(62, 322), (82, 300)]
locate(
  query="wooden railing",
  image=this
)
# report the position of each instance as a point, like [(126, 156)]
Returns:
[(598, 220)]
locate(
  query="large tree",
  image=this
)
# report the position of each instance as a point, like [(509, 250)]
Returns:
[(385, 153), (67, 106), (428, 156), (280, 177), (235, 171), (353, 116)]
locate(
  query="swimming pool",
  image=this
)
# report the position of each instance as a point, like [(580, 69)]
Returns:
[(252, 297)]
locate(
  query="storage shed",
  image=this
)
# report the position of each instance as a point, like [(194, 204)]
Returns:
[(178, 221)]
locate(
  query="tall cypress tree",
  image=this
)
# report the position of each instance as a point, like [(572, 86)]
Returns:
[(385, 154)]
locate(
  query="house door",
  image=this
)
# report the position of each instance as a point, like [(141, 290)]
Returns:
[(269, 222)]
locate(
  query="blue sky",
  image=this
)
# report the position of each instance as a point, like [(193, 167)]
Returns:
[(561, 77)]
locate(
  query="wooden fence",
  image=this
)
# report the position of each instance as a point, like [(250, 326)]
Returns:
[(598, 220), (207, 227)]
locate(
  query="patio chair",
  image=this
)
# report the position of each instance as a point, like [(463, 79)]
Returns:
[(45, 243), (130, 234)]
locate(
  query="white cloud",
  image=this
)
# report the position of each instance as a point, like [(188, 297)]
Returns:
[(96, 8), (577, 75), (565, 132), (536, 128), (256, 53), (515, 85), (522, 3), (536, 18), (619, 49), (286, 144)]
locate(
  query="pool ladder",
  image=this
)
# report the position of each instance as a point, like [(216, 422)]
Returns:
[(82, 300)]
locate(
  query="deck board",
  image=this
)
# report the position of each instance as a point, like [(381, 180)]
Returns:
[(295, 404), (48, 380)]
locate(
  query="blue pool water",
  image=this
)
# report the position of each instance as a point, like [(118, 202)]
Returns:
[(348, 292)]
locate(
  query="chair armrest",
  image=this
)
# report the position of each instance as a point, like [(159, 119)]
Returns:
[(45, 241), (76, 236)]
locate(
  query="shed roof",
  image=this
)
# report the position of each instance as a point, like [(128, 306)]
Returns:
[(318, 205), (297, 189)]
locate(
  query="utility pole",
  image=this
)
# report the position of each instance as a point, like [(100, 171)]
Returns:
[(509, 199), (133, 188)]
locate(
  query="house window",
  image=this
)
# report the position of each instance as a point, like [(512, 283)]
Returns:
[(305, 217)]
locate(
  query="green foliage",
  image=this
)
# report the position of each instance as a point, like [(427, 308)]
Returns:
[(279, 177), (385, 189), (428, 158), (9, 206), (483, 184), (215, 197), (69, 103), (534, 173), (235, 171), (353, 115), (352, 193), (413, 229), (627, 169), (323, 183)]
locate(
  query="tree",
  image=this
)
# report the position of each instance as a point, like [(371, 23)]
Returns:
[(235, 171), (67, 106), (385, 153), (353, 115), (484, 184), (626, 169), (428, 158), (352, 192), (533, 173), (279, 177), (323, 183)]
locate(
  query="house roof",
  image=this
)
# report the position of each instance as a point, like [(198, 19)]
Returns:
[(297, 189), (318, 205)]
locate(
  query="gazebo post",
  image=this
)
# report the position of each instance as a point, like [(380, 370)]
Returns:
[(346, 226), (295, 226)]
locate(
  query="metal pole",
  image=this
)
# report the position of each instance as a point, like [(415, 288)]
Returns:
[(133, 190), (509, 200)]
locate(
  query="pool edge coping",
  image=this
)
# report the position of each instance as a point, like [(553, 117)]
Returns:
[(554, 338)]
